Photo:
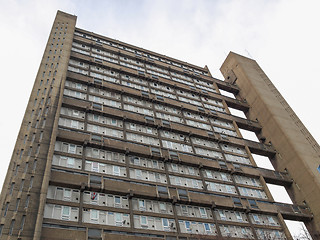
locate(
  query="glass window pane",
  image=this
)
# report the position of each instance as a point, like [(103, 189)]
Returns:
[(118, 217), (93, 214), (65, 211)]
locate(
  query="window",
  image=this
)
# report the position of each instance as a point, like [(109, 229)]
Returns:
[(17, 204), (195, 183), (67, 194), (222, 215), (271, 220), (149, 130), (31, 182), (22, 223), (11, 188), (183, 194), (95, 167), (253, 181), (11, 227), (21, 152), (212, 186), (157, 177), (30, 151), (229, 189), (252, 203), (27, 202), (207, 227), (236, 201), (70, 162), (94, 215), (184, 209), (117, 201), (41, 135), (113, 121), (276, 232), (256, 218), (191, 170), (94, 197), (118, 218), (43, 123), (155, 164), (224, 177), (318, 168), (16, 170), (116, 170), (95, 118), (136, 160), (163, 206), (21, 185), (143, 221), (95, 179), (138, 174), (142, 205), (187, 224), (203, 212), (1, 227), (209, 174), (6, 209), (133, 126), (94, 233), (95, 129), (72, 148), (178, 181), (65, 213), (76, 113), (34, 165), (239, 216), (165, 224), (174, 167), (74, 124)]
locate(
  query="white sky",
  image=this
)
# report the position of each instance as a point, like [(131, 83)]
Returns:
[(283, 36)]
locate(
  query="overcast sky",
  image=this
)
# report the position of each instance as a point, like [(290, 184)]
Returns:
[(283, 36)]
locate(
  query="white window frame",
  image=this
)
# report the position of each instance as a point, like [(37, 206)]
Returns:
[(144, 222), (94, 166), (117, 204), (116, 170), (71, 147), (188, 226), (174, 167), (203, 212), (256, 218), (239, 216), (207, 230), (63, 215), (94, 215), (209, 174), (166, 226), (74, 124), (184, 209), (222, 215), (70, 162), (162, 206), (118, 219), (67, 197), (142, 204), (138, 173)]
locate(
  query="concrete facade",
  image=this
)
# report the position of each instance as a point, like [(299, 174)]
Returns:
[(297, 151), (119, 142)]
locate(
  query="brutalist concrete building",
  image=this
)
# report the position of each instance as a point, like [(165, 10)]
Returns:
[(119, 142)]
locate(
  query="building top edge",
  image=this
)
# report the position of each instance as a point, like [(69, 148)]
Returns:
[(205, 68)]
